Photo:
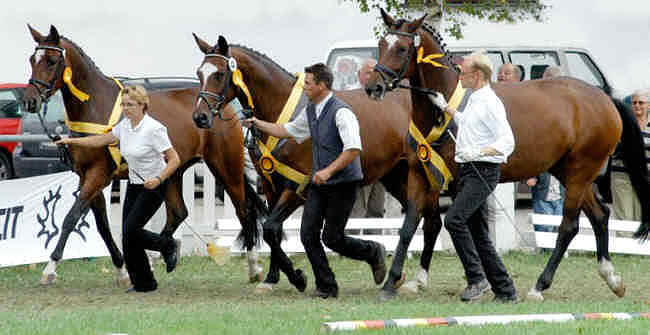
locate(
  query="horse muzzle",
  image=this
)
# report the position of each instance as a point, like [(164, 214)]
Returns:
[(201, 120), (376, 91)]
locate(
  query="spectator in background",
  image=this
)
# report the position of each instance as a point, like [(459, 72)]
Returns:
[(509, 73), (371, 199), (345, 73), (547, 192), (625, 202)]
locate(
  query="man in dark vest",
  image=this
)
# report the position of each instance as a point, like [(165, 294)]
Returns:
[(336, 176)]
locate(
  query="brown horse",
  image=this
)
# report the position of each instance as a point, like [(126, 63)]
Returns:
[(561, 125), (385, 157), (220, 147)]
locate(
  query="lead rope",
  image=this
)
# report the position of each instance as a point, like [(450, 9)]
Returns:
[(500, 205), (63, 151)]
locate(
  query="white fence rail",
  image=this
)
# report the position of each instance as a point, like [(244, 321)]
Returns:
[(620, 235)]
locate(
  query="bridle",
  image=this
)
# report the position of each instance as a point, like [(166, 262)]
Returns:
[(64, 153), (393, 80), (218, 99), (388, 76), (46, 90)]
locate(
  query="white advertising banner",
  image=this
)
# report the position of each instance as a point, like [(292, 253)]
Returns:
[(31, 215)]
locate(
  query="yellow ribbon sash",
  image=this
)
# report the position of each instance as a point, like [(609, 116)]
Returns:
[(267, 162), (67, 79), (430, 58), (437, 172), (238, 79), (95, 128)]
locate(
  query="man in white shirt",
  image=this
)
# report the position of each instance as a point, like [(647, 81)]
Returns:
[(336, 170), (484, 141)]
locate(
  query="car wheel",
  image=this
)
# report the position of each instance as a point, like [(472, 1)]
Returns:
[(5, 167)]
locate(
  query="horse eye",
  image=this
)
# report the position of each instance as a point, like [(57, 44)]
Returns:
[(51, 62), (401, 50), (218, 76)]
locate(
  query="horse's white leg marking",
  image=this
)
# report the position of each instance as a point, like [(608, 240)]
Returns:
[(421, 281), (254, 270), (49, 273), (613, 280), (123, 279)]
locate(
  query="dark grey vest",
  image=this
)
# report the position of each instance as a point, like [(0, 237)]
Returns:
[(327, 144)]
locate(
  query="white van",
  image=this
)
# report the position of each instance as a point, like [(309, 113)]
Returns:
[(345, 58)]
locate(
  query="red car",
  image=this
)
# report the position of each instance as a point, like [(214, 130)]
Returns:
[(11, 96)]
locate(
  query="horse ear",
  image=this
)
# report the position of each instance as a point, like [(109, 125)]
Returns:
[(54, 35), (203, 45), (413, 26), (388, 20), (223, 45), (38, 38)]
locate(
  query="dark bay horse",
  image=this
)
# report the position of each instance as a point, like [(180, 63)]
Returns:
[(561, 125), (385, 156), (220, 147)]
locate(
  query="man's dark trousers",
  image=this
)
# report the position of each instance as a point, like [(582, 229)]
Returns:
[(332, 203), (465, 221)]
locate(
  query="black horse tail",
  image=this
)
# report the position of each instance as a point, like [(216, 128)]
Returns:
[(257, 212), (632, 149)]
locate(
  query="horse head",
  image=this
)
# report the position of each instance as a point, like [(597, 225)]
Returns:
[(408, 50), (216, 73), (48, 63)]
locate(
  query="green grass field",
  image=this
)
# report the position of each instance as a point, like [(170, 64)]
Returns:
[(202, 298)]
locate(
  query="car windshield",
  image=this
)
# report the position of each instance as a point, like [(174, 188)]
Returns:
[(55, 110)]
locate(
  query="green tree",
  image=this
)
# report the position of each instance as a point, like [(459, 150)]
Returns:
[(456, 12)]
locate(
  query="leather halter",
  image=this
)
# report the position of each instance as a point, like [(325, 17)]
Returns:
[(48, 90)]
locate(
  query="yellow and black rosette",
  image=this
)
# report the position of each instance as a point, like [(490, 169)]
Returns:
[(267, 164), (423, 152)]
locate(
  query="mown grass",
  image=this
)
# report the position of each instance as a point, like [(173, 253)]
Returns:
[(202, 298)]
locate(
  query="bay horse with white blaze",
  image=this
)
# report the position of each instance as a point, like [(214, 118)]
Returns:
[(562, 125), (385, 156), (220, 147)]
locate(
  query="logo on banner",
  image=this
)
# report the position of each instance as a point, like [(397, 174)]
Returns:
[(48, 222)]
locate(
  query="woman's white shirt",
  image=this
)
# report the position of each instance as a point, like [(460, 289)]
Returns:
[(143, 147)]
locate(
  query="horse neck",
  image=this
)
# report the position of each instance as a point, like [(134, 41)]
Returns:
[(87, 78), (268, 84), (437, 79)]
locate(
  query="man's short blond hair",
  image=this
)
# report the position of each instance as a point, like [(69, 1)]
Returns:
[(479, 60), (138, 94)]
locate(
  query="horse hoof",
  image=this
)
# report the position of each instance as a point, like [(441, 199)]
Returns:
[(400, 281), (48, 279), (535, 295), (301, 282), (619, 291), (263, 288), (617, 286), (258, 277), (410, 287), (385, 295)]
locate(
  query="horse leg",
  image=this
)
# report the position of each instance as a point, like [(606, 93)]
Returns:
[(431, 228), (175, 205), (598, 215), (88, 190), (272, 227), (411, 221), (98, 207), (245, 209), (567, 231)]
